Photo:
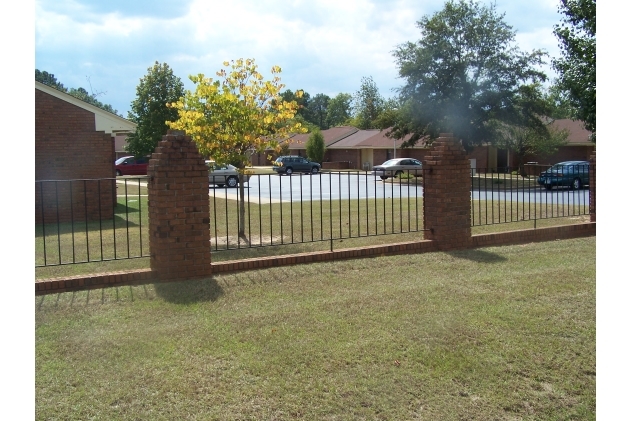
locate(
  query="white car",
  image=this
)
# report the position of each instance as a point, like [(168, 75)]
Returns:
[(225, 174), (395, 167)]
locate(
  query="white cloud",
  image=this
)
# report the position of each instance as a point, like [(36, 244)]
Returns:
[(322, 45), (56, 30)]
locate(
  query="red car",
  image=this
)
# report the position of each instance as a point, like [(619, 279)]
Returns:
[(128, 165)]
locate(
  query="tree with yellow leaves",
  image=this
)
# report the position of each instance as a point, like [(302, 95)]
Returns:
[(236, 116)]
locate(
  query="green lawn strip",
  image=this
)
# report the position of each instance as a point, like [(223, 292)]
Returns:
[(495, 333)]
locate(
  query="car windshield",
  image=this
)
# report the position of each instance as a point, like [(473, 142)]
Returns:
[(391, 162), (120, 160)]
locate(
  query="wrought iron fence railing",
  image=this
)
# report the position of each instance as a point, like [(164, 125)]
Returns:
[(330, 206), (508, 195), (81, 221), (90, 220)]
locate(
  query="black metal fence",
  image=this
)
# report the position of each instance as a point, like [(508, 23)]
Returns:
[(282, 210), (81, 221), (507, 195)]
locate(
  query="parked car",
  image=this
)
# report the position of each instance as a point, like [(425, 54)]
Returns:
[(572, 174), (395, 167), (291, 164), (128, 165), (224, 174)]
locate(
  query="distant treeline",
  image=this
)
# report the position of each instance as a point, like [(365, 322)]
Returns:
[(80, 93)]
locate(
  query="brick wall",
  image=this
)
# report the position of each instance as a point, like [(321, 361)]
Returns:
[(179, 221), (564, 153), (74, 200), (447, 194), (345, 155), (336, 165), (68, 147), (419, 154), (144, 276), (481, 156), (380, 156)]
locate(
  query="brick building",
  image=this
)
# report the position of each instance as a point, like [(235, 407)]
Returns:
[(74, 142), (363, 149)]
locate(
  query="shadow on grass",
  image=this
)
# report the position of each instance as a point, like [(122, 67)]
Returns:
[(479, 256), (122, 208), (189, 292), (78, 227)]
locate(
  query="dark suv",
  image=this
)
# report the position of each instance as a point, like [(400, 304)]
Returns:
[(291, 164), (574, 174)]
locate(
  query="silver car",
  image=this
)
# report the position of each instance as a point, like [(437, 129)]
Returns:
[(395, 167), (224, 174)]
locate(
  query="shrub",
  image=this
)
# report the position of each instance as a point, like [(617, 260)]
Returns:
[(315, 147)]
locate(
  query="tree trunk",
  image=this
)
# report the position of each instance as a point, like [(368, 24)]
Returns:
[(520, 166), (242, 207)]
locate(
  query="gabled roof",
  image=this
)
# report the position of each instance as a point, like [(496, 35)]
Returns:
[(578, 135), (331, 136), (353, 140), (379, 140), (104, 120), (348, 137)]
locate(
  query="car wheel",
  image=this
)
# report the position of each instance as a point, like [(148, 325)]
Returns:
[(232, 182), (314, 170), (548, 186), (398, 174), (118, 173), (289, 171), (576, 184), (383, 177)]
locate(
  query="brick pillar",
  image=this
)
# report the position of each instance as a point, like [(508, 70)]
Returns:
[(179, 230), (592, 187), (447, 194)]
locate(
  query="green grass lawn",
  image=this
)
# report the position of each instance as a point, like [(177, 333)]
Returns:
[(505, 333)]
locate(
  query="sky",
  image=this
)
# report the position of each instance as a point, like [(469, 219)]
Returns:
[(323, 46)]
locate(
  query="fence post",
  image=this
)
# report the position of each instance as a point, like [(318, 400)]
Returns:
[(592, 187), (447, 194), (179, 221)]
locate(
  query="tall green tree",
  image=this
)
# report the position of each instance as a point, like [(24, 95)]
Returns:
[(303, 99), (304, 114), (528, 133), (318, 110), (577, 66), (315, 147), (149, 110), (368, 104), (338, 111), (462, 74), (559, 102)]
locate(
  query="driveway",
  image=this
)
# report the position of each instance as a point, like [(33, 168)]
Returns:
[(334, 186), (323, 186)]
